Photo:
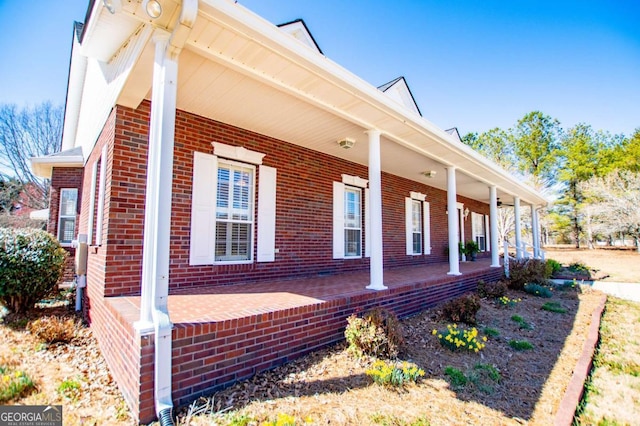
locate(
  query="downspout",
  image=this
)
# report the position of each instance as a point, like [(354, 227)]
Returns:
[(156, 251)]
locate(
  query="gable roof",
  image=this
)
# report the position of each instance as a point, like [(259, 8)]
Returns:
[(398, 89), (299, 30)]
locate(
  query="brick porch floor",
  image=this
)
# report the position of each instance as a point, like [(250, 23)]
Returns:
[(212, 304)]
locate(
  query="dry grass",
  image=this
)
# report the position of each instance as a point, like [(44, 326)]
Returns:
[(613, 394), (615, 265), (96, 401), (331, 387)]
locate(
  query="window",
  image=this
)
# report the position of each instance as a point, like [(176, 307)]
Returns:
[(234, 212), (226, 227), (350, 218), (479, 230), (67, 216), (352, 222), (417, 224)]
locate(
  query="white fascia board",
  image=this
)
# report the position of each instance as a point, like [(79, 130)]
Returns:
[(75, 88), (239, 19), (43, 166)]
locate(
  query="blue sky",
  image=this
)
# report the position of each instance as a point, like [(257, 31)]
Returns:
[(471, 64)]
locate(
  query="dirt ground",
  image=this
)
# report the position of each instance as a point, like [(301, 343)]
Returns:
[(617, 265)]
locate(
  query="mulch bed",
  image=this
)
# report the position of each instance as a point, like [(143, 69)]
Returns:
[(330, 386)]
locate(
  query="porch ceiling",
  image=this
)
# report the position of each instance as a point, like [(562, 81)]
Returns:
[(239, 69)]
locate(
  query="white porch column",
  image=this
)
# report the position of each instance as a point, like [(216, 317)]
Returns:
[(516, 214), (157, 221), (452, 221), (493, 219), (375, 213), (535, 232)]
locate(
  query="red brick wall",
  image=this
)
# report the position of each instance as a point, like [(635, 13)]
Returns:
[(304, 207), (70, 177), (208, 356)]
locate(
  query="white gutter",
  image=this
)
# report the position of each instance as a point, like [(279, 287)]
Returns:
[(243, 21), (157, 225)]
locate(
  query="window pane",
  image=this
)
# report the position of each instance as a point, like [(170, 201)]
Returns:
[(233, 241), (68, 202), (352, 208), (222, 210), (352, 242), (67, 229), (417, 243)]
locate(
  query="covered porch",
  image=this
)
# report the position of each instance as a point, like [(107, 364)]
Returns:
[(227, 333)]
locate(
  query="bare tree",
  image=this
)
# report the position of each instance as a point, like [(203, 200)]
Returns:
[(27, 133), (613, 202)]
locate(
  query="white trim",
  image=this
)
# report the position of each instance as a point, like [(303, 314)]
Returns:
[(408, 225), (487, 240), (417, 196), (203, 203), (338, 220), (237, 153), (266, 244), (426, 223), (92, 202), (354, 181), (101, 195)]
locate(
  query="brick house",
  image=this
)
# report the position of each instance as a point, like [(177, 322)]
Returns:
[(208, 155)]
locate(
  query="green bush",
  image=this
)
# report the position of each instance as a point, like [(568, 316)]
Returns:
[(553, 266), (538, 290), (492, 290), (520, 345), (526, 271), (377, 333), (463, 309), (554, 307), (31, 262)]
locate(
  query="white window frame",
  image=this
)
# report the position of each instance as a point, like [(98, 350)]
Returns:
[(339, 213), (476, 219), (250, 212), (67, 217), (354, 225), (418, 199), (204, 204)]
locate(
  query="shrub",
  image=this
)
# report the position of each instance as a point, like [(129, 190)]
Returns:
[(525, 271), (554, 307), (492, 290), (377, 333), (455, 338), (520, 345), (53, 329), (31, 263), (538, 290), (13, 384), (393, 374), (553, 266), (463, 309)]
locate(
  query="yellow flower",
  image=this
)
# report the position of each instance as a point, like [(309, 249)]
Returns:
[(484, 338), (434, 332)]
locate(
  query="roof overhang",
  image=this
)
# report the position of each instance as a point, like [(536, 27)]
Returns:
[(237, 68), (43, 166)]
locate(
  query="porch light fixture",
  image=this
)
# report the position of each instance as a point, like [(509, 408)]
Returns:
[(112, 6), (429, 174), (466, 213), (153, 8), (346, 143)]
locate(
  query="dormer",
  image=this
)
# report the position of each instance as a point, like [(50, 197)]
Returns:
[(399, 91), (299, 30)]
